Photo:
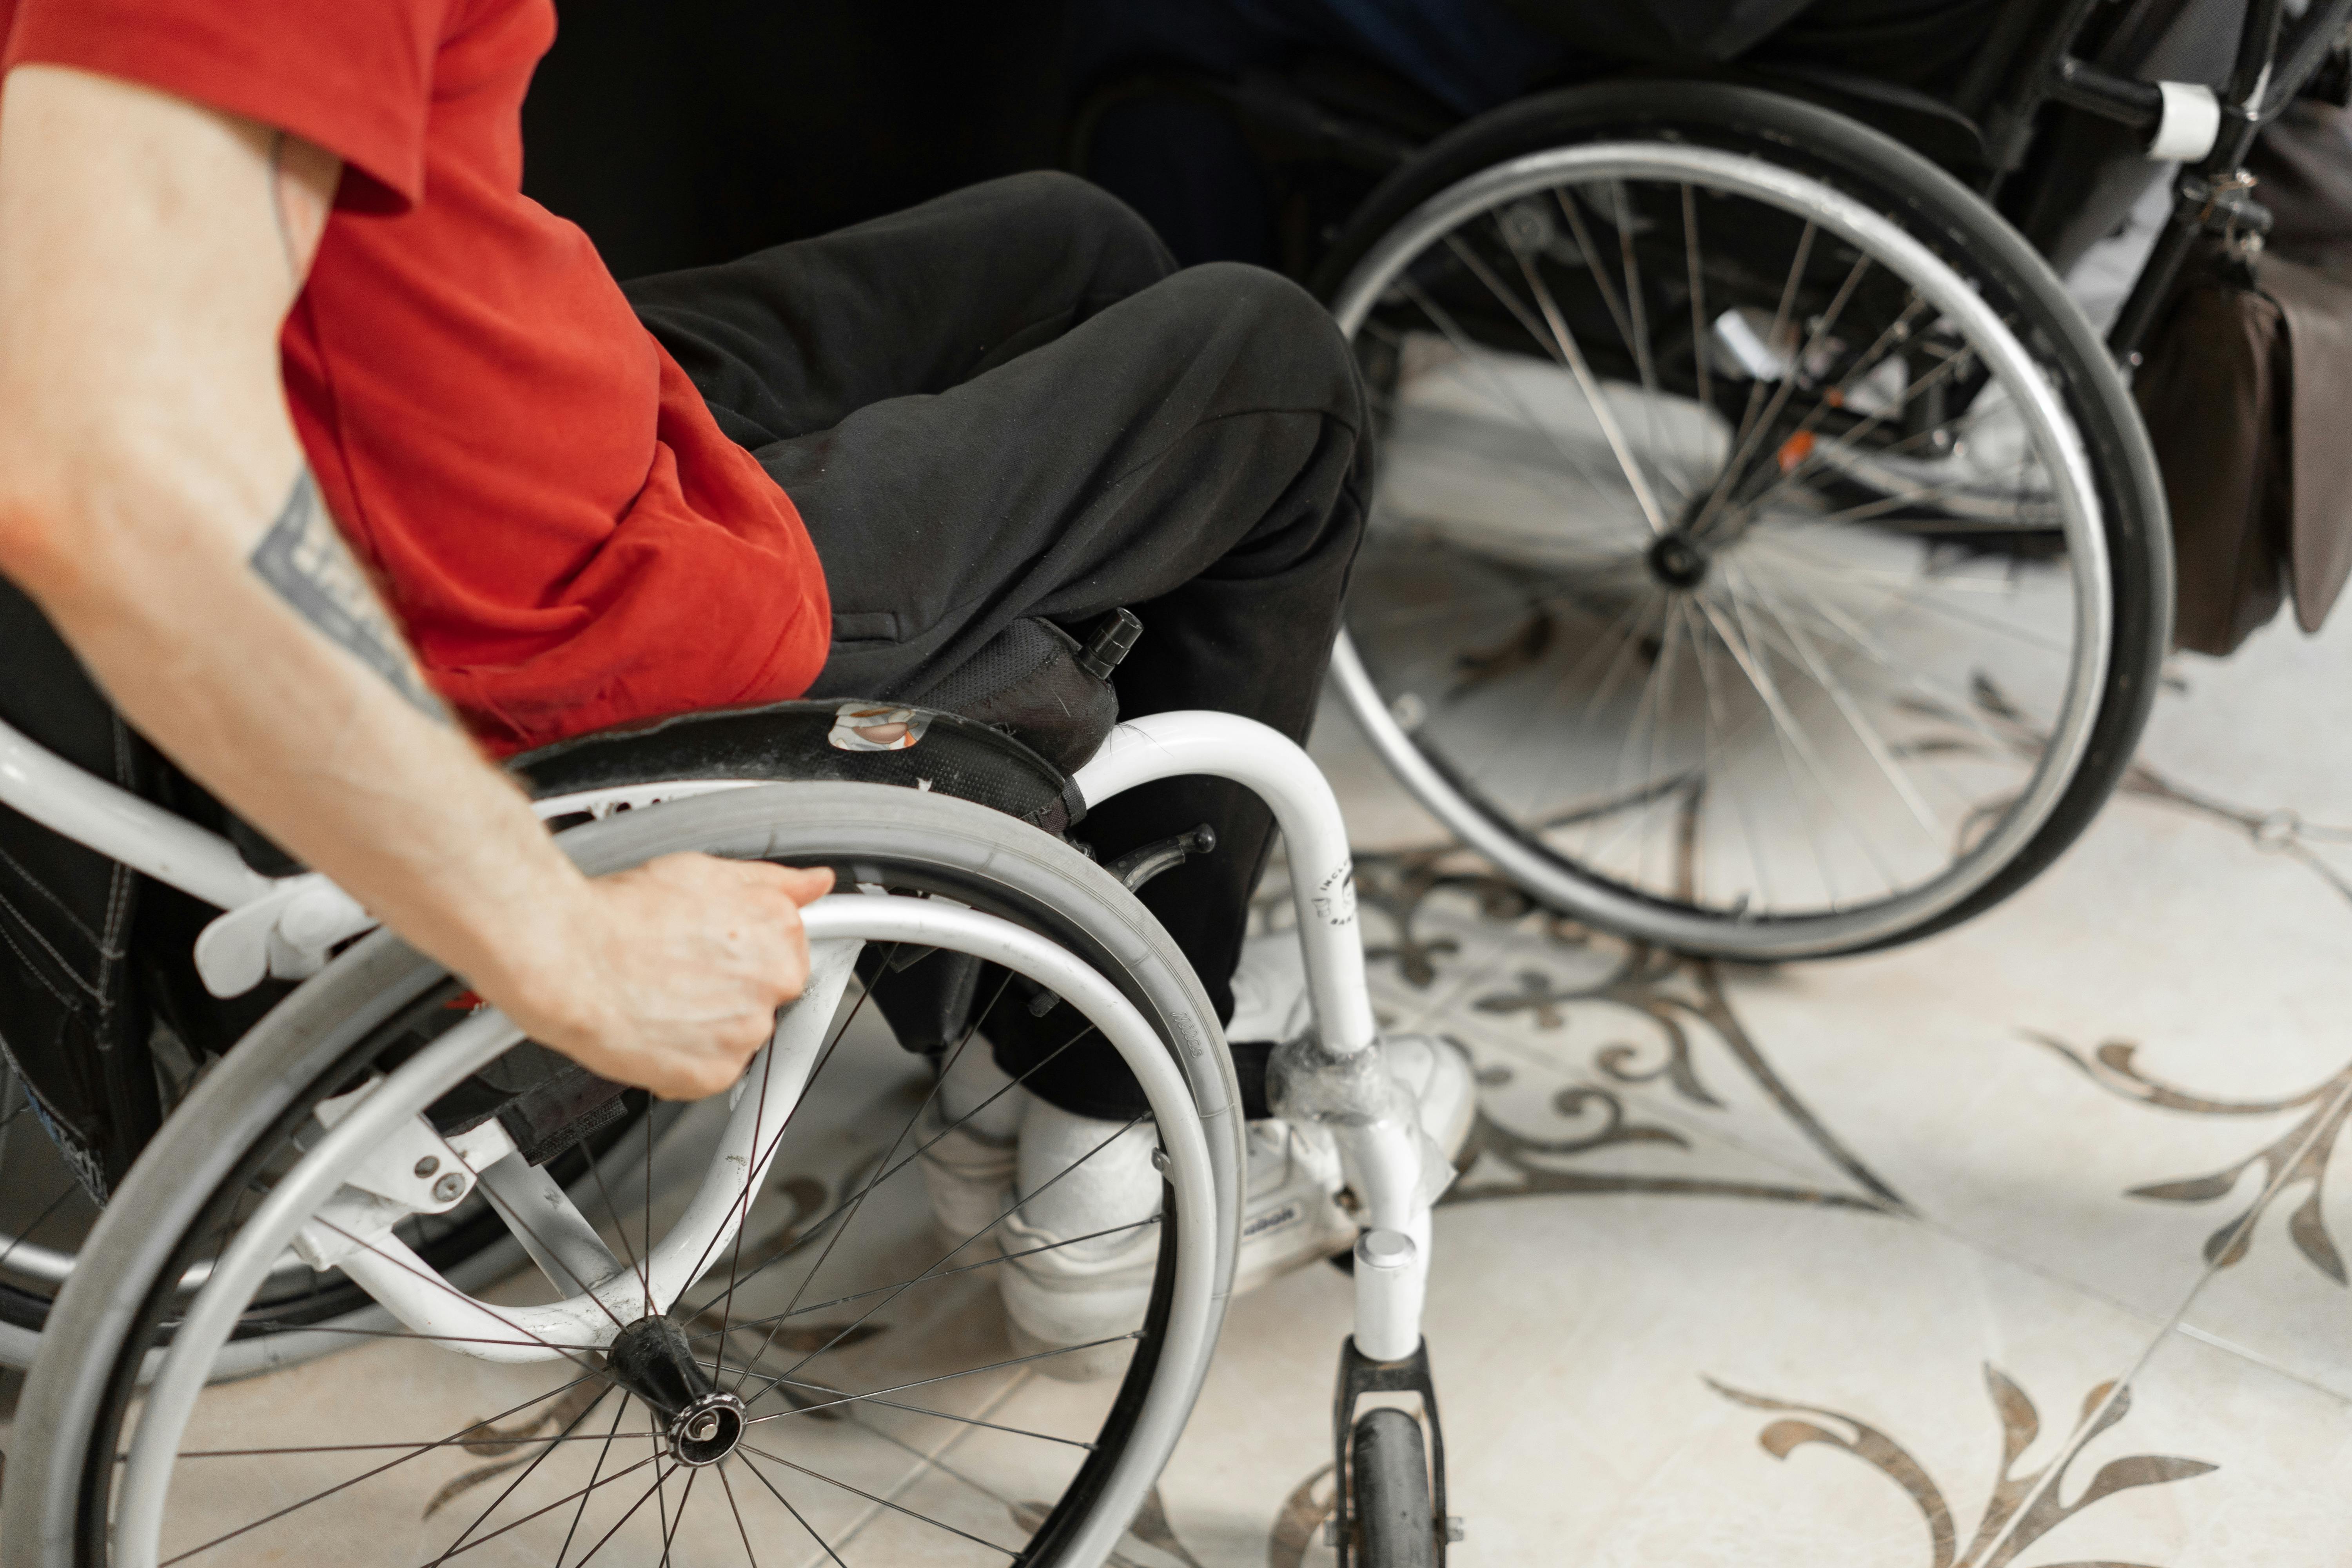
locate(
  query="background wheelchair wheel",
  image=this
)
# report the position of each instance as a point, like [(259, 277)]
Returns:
[(1391, 1512), (364, 1458), (1767, 559)]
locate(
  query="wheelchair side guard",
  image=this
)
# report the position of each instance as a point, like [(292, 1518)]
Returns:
[(287, 927), (1361, 1376)]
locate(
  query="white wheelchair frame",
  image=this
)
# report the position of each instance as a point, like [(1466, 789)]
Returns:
[(288, 926)]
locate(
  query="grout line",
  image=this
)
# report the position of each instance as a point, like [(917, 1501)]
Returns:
[(2268, 1363), (2089, 1423)]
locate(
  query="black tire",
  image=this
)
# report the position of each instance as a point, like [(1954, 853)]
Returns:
[(1975, 241), (1388, 1464), (55, 1511)]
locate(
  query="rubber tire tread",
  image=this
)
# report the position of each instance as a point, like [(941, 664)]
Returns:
[(46, 1518), (1388, 1463), (1972, 236)]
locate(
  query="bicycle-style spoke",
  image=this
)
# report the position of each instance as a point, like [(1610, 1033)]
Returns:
[(1697, 271), (1561, 343), (1922, 600), (1619, 634), (1755, 386), (736, 1509), (941, 1377), (886, 1502), (1008, 1212), (669, 1533), (637, 1266), (659, 1476), (1825, 454), (810, 1231), (298, 1506), (1471, 356), (601, 1455), (739, 1212), (41, 1218), (751, 1182), (1810, 660), (1638, 729), (469, 1443), (1637, 342), (513, 1219), (758, 1475), (750, 1323), (843, 1396), (971, 1031), (1745, 448), (1710, 749), (1751, 658), (528, 1471)]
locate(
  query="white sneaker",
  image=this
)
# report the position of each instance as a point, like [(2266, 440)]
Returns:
[(1079, 1253)]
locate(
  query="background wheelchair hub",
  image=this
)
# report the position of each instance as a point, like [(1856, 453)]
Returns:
[(1678, 561), (653, 1360)]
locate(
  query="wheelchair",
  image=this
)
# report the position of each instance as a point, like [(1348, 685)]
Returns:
[(383, 1186), (1768, 560)]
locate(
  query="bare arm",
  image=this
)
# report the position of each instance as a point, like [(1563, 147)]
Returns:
[(155, 501)]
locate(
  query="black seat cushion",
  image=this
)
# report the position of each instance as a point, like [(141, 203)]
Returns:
[(814, 740)]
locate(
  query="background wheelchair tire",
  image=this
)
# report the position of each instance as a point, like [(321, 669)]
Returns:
[(1965, 233), (54, 1513)]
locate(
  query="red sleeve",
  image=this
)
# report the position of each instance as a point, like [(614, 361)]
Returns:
[(353, 76)]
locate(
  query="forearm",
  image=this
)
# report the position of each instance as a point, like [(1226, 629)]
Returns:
[(309, 742), (146, 463), (155, 500)]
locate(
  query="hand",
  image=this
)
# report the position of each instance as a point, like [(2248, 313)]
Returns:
[(672, 972)]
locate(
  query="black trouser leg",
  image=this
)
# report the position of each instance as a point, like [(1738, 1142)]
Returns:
[(1190, 450)]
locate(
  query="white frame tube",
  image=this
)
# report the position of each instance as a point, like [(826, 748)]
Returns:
[(1383, 1159), (119, 825), (1314, 836)]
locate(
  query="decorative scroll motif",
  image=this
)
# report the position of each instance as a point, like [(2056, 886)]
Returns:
[(1680, 1001), (2297, 1158), (2023, 1509), (1310, 1503)]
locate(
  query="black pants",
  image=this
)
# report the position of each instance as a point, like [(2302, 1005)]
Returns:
[(1008, 402)]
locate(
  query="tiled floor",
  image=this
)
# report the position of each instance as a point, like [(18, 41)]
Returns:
[(2006, 1246), (2012, 1246)]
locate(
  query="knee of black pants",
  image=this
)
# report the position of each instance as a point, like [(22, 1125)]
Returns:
[(1128, 253), (1273, 349), (1284, 350)]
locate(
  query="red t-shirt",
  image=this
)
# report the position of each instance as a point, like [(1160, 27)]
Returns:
[(551, 509)]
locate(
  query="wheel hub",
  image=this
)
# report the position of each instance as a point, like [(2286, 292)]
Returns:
[(1678, 561), (652, 1359)]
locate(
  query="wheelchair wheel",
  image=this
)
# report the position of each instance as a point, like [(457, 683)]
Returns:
[(1389, 1464), (1767, 559), (48, 1214), (765, 1396)]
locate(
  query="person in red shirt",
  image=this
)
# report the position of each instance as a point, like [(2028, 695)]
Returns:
[(347, 469)]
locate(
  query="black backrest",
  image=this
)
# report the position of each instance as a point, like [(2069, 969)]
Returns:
[(71, 1020)]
